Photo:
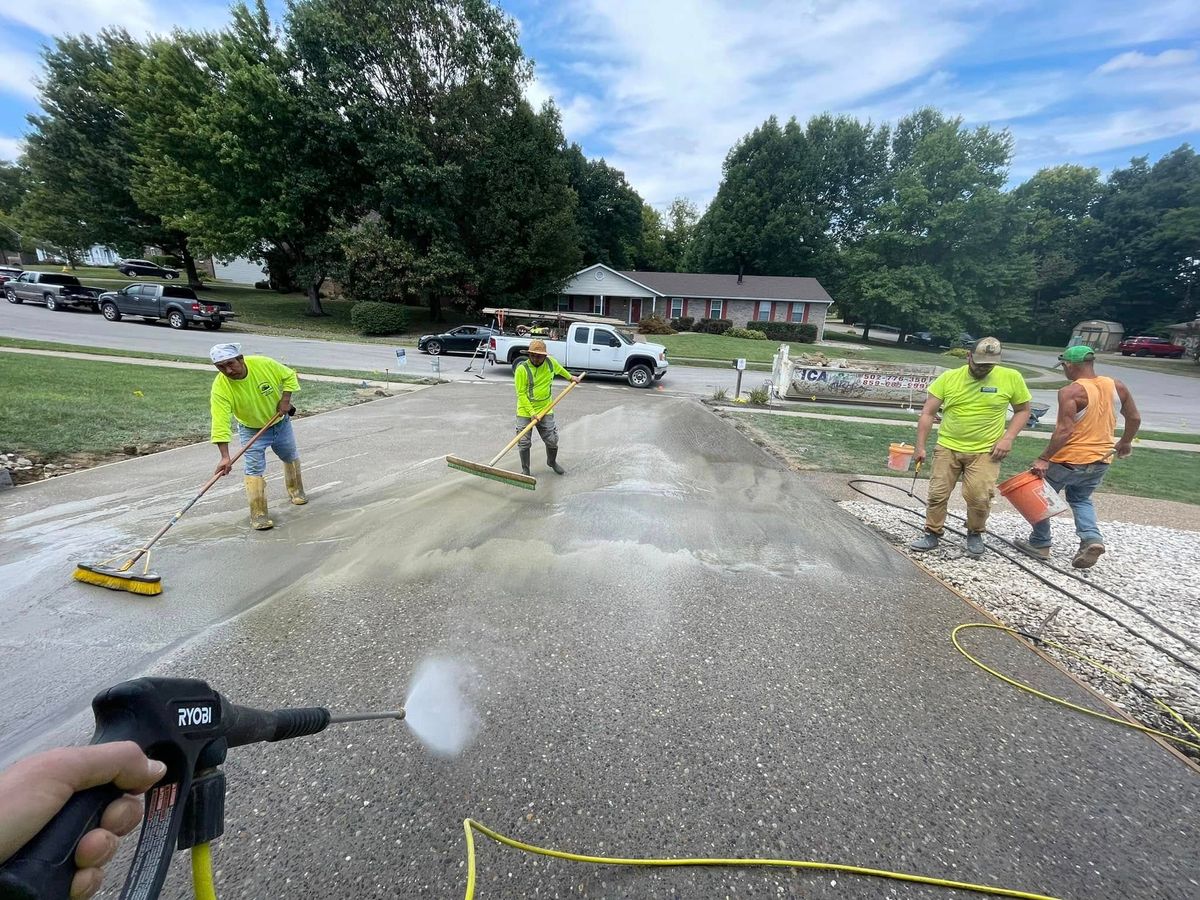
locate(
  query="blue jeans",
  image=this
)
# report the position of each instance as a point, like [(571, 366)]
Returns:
[(279, 437), (1079, 482)]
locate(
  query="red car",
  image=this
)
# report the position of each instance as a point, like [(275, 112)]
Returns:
[(1150, 346)]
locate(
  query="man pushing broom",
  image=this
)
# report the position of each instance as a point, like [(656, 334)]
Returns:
[(534, 380)]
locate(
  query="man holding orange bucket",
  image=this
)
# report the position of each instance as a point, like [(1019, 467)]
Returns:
[(1077, 456), (972, 439)]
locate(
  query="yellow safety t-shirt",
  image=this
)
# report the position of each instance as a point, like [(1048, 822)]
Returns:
[(973, 410), (252, 400), (533, 397)]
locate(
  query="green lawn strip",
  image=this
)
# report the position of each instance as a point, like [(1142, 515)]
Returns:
[(858, 447), (1188, 368), (374, 375), (55, 407), (1176, 437)]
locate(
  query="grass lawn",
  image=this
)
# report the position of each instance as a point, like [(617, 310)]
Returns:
[(59, 407), (856, 447), (1189, 368), (25, 344)]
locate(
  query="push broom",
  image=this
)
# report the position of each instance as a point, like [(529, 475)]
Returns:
[(121, 577), (489, 470)]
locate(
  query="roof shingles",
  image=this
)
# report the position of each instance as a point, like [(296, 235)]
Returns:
[(726, 287)]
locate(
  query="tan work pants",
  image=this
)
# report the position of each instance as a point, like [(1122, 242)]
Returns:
[(978, 472)]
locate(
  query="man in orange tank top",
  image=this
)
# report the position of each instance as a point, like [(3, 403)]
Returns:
[(1077, 456)]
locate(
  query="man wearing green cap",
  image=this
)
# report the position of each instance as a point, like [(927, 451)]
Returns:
[(1076, 458), (972, 439)]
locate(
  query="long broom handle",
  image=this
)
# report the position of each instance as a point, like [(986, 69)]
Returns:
[(528, 428), (204, 490)]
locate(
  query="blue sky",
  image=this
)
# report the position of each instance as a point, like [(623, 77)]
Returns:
[(662, 88)]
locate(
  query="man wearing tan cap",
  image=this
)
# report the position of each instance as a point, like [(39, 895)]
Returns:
[(972, 439), (534, 380), (1077, 456)]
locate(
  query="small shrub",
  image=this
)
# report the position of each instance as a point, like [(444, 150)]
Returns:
[(683, 323), (748, 334), (714, 326), (262, 285), (378, 318), (654, 325), (801, 332), (957, 352), (760, 396), (720, 394), (170, 262)]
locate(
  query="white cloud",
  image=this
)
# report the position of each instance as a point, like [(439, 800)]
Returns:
[(17, 73), (80, 16), (11, 148), (1135, 59)]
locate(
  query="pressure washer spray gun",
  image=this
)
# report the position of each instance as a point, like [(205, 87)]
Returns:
[(187, 725)]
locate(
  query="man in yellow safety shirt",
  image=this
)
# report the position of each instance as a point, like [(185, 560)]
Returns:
[(254, 390), (972, 439), (1076, 458), (534, 380)]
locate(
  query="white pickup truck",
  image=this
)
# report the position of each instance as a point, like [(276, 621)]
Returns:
[(595, 349)]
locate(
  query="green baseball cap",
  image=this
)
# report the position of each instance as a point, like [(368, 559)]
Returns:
[(1077, 354)]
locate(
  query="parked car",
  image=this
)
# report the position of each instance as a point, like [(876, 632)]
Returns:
[(133, 267), (1150, 346), (463, 339), (53, 289), (595, 349), (9, 273), (929, 339), (178, 305)]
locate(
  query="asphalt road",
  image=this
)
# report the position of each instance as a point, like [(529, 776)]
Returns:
[(677, 649)]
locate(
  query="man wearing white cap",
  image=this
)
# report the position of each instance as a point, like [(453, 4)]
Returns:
[(972, 439), (254, 390)]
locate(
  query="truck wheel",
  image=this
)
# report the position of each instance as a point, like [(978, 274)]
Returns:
[(640, 376), (213, 326), (12, 297), (51, 302), (434, 348), (110, 312), (1142, 353), (516, 361), (177, 320)]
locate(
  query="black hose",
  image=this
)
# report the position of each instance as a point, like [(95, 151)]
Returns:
[(1020, 563)]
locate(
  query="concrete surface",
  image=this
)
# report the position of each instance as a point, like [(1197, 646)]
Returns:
[(678, 649)]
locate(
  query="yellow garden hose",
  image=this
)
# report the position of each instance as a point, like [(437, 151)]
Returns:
[(1174, 714), (470, 825), (202, 872)]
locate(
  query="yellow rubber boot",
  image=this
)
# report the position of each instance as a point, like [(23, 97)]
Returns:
[(293, 482), (256, 493)]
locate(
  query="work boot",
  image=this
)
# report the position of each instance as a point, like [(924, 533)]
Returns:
[(1032, 549), (927, 541), (552, 461), (293, 482), (1088, 553), (256, 493), (975, 544), (524, 451)]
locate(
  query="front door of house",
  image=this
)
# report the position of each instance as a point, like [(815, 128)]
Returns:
[(635, 310)]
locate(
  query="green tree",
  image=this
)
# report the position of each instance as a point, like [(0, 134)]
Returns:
[(679, 229), (610, 211), (13, 181), (651, 254)]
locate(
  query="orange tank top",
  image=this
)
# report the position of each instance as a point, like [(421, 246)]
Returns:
[(1093, 437)]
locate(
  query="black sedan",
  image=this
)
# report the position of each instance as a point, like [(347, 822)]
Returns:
[(133, 267), (463, 339)]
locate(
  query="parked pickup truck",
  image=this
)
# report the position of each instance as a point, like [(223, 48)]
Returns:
[(595, 349), (55, 290), (178, 305)]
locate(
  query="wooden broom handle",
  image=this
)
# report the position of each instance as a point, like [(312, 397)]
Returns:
[(528, 428)]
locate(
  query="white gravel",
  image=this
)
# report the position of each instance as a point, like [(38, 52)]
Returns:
[(1157, 569)]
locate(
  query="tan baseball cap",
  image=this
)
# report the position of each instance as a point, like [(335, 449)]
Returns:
[(987, 351)]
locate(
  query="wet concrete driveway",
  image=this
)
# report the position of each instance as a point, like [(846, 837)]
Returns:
[(677, 649)]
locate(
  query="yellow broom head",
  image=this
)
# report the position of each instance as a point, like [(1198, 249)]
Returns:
[(114, 579)]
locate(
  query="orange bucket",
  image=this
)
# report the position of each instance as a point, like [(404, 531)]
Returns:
[(1033, 498), (900, 457)]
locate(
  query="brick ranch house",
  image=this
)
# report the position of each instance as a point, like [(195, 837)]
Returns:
[(599, 290)]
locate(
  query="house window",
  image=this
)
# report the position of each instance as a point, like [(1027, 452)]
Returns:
[(597, 306), (797, 312), (564, 303), (763, 313), (716, 309), (676, 307)]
